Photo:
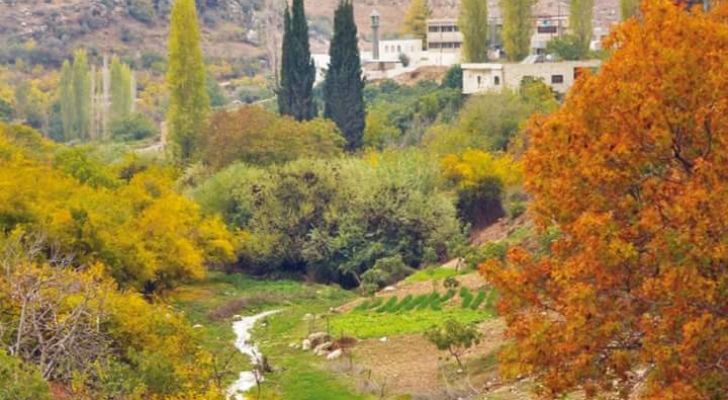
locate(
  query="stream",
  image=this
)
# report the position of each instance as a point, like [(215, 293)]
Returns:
[(242, 328)]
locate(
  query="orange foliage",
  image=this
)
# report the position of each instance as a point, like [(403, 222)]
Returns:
[(634, 171)]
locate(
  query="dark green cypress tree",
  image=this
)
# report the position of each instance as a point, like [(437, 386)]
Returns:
[(298, 72), (344, 85)]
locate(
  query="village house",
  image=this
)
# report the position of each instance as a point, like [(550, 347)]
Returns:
[(560, 76)]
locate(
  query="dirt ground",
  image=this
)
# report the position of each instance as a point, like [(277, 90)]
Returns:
[(410, 365)]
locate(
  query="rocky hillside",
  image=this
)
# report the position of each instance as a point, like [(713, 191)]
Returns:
[(45, 31)]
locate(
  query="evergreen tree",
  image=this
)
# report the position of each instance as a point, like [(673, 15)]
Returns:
[(473, 23), (581, 13), (121, 96), (344, 85), (189, 103), (67, 102), (81, 94), (298, 72), (517, 27), (415, 20)]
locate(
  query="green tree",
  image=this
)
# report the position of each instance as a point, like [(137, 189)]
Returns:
[(415, 20), (581, 14), (82, 94), (121, 96), (629, 8), (567, 47), (298, 72), (66, 96), (455, 337), (189, 103), (21, 381), (517, 27), (344, 85), (473, 23)]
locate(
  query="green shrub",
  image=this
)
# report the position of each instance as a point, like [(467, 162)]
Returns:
[(334, 219), (478, 299), (134, 127), (391, 302), (20, 381), (376, 303), (364, 305), (467, 297), (416, 302), (448, 295), (403, 304)]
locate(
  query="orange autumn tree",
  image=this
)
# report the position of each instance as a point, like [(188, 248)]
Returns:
[(632, 298)]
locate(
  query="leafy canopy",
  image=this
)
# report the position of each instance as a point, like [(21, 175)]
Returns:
[(633, 172)]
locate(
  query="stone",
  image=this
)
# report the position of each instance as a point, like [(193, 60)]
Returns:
[(322, 349), (388, 289), (306, 345), (317, 338), (197, 326), (384, 339), (335, 354)]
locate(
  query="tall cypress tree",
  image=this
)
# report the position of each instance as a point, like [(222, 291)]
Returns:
[(67, 102), (344, 85), (82, 94), (189, 103), (517, 27), (298, 72), (121, 96)]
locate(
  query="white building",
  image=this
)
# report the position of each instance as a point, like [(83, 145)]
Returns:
[(560, 76), (444, 42)]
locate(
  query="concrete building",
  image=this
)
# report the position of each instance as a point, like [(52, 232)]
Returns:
[(560, 76), (393, 49), (547, 27), (444, 41)]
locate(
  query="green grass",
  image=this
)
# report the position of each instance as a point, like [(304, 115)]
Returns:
[(299, 375), (429, 274), (372, 325)]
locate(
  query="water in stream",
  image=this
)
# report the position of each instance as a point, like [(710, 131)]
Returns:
[(242, 329)]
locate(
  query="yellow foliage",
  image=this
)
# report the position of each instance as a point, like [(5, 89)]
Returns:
[(473, 166), (148, 236)]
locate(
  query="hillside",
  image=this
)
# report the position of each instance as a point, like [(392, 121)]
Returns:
[(233, 29)]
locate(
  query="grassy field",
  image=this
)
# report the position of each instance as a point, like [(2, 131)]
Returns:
[(214, 302)]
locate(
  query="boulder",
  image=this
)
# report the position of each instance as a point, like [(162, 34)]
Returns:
[(335, 354), (317, 338), (322, 349), (306, 345)]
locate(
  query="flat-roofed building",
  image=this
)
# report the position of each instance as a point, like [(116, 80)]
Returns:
[(560, 76), (444, 41)]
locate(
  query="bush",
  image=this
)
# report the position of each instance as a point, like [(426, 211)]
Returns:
[(334, 220), (21, 381), (135, 127), (389, 305), (479, 298), (257, 136), (467, 297)]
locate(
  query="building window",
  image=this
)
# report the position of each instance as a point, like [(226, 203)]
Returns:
[(496, 80), (557, 79), (479, 80), (399, 49), (434, 45), (433, 29), (547, 29), (458, 45)]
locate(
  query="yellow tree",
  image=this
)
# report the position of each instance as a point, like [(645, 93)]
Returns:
[(633, 171), (415, 20)]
